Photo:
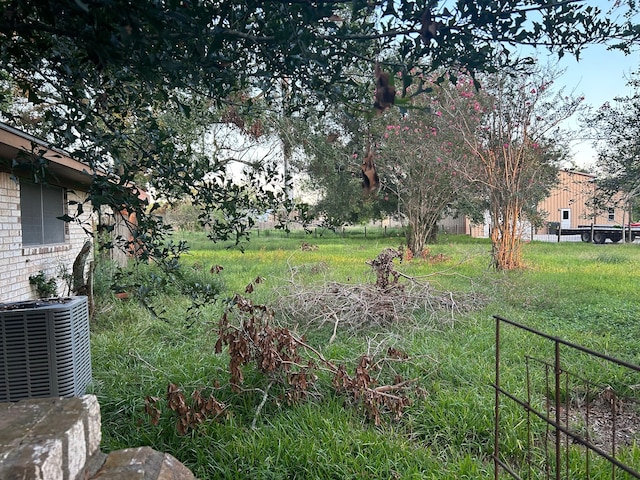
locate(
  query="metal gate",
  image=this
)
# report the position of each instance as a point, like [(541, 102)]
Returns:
[(554, 420)]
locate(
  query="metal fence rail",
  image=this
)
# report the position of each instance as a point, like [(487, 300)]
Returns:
[(569, 426)]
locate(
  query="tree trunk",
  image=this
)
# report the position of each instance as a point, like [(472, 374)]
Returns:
[(628, 238), (415, 242), (79, 284), (418, 234), (506, 245)]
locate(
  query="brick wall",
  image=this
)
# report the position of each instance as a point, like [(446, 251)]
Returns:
[(18, 262)]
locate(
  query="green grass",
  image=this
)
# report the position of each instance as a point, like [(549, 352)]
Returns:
[(587, 294)]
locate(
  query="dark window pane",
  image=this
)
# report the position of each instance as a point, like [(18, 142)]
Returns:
[(31, 214), (40, 205), (52, 208)]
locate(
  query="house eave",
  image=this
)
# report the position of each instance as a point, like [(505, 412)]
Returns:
[(18, 148)]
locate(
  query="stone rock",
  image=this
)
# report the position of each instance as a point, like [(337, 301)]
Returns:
[(59, 439), (142, 463)]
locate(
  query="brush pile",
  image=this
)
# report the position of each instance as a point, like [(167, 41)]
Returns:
[(395, 297)]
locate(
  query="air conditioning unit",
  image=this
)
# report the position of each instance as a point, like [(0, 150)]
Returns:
[(44, 348)]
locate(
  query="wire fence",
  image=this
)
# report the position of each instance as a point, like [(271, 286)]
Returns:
[(358, 231), (570, 424)]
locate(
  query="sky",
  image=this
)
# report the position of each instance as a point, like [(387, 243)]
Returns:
[(600, 75)]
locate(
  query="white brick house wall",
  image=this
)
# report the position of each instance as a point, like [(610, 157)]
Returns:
[(18, 262)]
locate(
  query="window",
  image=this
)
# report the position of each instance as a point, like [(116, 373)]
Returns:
[(612, 214), (39, 207)]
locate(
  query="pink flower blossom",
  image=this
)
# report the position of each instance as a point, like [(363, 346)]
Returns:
[(439, 113)]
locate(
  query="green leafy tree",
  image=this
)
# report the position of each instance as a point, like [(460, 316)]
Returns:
[(333, 147), (183, 215), (616, 126), (109, 70)]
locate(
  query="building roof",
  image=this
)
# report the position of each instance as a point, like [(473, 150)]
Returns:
[(19, 148)]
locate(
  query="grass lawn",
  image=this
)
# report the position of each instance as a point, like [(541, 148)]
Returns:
[(584, 293)]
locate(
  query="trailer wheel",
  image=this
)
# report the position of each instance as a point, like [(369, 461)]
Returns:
[(585, 236), (599, 237), (615, 237)]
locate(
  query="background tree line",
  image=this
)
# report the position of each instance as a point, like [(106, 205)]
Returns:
[(134, 88)]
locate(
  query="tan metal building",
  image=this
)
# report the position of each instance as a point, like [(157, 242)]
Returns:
[(567, 206), (569, 203)]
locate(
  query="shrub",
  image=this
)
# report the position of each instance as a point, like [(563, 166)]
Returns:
[(45, 287)]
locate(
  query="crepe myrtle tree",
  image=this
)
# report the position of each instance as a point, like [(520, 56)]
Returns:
[(419, 154), (511, 129), (103, 73)]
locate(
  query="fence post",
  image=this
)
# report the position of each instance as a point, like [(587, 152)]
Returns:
[(557, 372), (496, 433)]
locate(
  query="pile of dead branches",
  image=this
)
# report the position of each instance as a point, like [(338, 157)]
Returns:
[(395, 297), (355, 306), (290, 367)]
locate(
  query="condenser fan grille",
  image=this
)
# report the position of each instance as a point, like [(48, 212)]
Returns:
[(44, 349)]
